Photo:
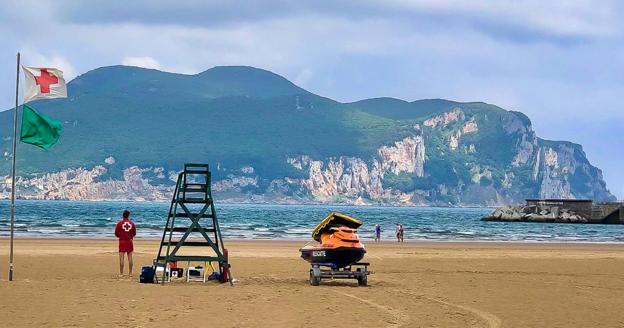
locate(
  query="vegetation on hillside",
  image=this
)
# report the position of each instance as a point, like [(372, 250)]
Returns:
[(238, 116)]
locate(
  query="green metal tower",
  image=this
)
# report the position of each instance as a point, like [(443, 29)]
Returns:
[(192, 224)]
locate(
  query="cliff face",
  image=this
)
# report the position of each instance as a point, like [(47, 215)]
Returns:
[(350, 179), (562, 171), (87, 184), (407, 155), (405, 172), (268, 140), (515, 164)]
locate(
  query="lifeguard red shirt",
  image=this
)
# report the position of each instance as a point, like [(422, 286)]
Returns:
[(125, 230)]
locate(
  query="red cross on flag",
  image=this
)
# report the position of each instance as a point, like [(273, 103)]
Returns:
[(43, 83)]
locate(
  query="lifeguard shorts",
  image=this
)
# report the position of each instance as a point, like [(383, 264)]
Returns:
[(126, 245)]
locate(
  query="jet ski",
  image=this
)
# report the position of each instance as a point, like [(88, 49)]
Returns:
[(339, 245)]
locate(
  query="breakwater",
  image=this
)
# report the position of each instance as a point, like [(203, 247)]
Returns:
[(561, 211)]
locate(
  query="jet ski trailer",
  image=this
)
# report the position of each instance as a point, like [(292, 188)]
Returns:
[(358, 271)]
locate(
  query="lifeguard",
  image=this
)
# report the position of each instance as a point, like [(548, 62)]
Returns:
[(125, 231)]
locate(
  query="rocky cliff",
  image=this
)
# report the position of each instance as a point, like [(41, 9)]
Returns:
[(391, 176), (88, 184), (271, 141)]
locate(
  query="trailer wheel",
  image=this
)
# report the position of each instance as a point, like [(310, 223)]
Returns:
[(315, 276), (362, 279)]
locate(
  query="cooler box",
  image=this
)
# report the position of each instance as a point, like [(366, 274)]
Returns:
[(161, 273), (147, 275)]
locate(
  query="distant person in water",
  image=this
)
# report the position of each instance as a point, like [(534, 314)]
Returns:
[(125, 231), (399, 232), (377, 233)]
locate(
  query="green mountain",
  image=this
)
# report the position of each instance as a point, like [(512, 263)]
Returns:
[(127, 130)]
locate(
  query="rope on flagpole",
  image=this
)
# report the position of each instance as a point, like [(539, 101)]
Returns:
[(12, 208)]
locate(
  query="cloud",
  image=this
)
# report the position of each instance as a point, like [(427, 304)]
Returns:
[(145, 62), (557, 21), (31, 57), (522, 20), (557, 61), (542, 19), (304, 77)]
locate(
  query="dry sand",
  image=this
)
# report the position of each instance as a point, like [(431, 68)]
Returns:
[(74, 283)]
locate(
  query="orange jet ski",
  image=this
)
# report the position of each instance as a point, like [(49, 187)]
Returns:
[(339, 243)]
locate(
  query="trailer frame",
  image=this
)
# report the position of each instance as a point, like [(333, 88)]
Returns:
[(358, 271)]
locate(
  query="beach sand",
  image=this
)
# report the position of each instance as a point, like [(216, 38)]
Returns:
[(74, 283)]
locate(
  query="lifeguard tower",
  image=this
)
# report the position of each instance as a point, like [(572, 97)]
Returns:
[(192, 232)]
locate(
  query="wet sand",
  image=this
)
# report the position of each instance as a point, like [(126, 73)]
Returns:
[(74, 283)]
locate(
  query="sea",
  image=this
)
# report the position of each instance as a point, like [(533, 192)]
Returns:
[(82, 219)]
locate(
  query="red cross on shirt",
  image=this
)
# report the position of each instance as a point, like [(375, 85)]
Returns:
[(45, 80), (126, 226)]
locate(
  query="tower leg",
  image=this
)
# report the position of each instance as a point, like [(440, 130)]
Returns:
[(224, 268)]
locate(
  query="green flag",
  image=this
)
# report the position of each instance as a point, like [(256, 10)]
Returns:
[(39, 130)]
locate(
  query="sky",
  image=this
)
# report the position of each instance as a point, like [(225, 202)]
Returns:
[(559, 62)]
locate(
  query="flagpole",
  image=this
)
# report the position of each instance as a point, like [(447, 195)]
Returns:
[(12, 206)]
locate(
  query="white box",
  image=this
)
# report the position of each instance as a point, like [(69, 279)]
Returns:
[(196, 273), (159, 273)]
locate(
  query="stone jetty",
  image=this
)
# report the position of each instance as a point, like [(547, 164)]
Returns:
[(560, 211)]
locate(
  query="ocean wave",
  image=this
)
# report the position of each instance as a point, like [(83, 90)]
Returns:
[(97, 219)]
